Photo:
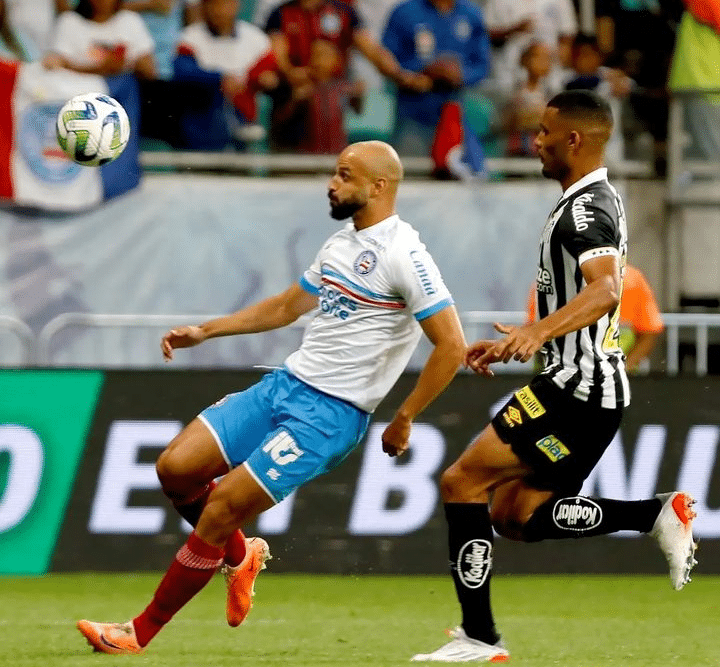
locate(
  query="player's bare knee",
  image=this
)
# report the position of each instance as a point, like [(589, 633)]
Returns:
[(171, 475), (461, 485)]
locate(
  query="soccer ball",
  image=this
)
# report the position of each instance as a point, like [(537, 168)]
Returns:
[(92, 129)]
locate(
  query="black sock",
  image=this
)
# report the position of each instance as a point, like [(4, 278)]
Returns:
[(577, 516), (470, 541)]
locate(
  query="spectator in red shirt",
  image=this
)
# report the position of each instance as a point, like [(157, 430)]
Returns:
[(230, 61), (294, 25), (317, 108)]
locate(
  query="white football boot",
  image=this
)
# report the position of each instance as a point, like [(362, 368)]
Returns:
[(673, 532), (462, 648)]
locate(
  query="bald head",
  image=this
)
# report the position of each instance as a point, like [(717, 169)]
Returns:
[(377, 159), (365, 183)]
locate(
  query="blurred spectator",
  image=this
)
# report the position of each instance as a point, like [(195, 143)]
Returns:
[(165, 20), (294, 25), (446, 40), (588, 73), (31, 22), (11, 43), (510, 26), (526, 107), (513, 25), (227, 61), (696, 65), (100, 38), (640, 323), (318, 106), (639, 36)]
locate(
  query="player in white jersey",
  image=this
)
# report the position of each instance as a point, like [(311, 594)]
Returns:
[(522, 474), (375, 290)]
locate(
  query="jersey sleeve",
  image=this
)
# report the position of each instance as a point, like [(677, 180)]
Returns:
[(311, 280), (589, 232), (418, 281)]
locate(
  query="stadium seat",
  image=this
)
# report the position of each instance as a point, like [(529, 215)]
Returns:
[(377, 119)]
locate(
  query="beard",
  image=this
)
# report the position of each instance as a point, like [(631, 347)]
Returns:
[(555, 171), (344, 210)]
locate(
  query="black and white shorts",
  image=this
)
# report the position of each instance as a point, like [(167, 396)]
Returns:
[(559, 436)]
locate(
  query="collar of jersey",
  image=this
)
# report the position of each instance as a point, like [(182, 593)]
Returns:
[(593, 177), (378, 227)]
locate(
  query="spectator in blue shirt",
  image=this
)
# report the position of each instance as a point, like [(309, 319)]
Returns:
[(447, 41)]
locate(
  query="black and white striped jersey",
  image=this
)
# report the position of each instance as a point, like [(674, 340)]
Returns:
[(588, 222)]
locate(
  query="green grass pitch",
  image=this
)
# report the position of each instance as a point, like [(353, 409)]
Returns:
[(354, 621)]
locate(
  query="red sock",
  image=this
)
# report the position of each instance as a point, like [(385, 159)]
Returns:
[(191, 511), (235, 549), (193, 567)]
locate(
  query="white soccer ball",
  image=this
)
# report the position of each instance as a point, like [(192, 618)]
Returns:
[(93, 129)]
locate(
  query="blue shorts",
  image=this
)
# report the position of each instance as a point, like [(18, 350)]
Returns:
[(284, 431)]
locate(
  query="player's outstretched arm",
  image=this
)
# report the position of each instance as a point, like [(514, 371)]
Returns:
[(446, 334), (271, 313), (600, 295)]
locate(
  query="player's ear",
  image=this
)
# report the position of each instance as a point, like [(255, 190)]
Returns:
[(574, 140), (379, 184)]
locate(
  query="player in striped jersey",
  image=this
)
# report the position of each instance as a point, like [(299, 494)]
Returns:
[(522, 474)]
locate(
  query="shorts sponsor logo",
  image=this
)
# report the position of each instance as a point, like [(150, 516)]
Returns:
[(530, 402), (512, 416), (474, 563), (552, 448), (578, 514)]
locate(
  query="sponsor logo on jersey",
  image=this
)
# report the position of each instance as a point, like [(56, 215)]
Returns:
[(422, 273), (474, 563), (544, 281), (462, 29), (334, 302), (330, 24), (578, 514), (424, 43), (530, 402), (581, 216), (552, 448), (365, 263)]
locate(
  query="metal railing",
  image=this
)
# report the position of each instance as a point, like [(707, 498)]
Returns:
[(24, 334), (40, 350)]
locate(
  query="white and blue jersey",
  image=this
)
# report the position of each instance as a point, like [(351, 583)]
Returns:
[(298, 422), (373, 287)]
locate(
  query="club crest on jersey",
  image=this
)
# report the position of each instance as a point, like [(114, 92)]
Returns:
[(365, 263), (474, 563), (330, 24), (578, 514)]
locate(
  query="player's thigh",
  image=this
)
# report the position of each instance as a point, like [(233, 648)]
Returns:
[(191, 458), (485, 463), (512, 505)]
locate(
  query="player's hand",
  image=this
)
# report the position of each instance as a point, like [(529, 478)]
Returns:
[(396, 436), (181, 337), (520, 343), (477, 351)]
